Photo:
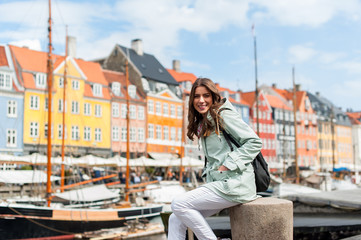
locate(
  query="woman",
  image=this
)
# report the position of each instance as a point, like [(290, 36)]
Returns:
[(229, 175)]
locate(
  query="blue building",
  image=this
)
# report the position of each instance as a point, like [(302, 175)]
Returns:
[(12, 106)]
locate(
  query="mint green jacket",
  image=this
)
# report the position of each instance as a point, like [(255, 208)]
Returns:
[(238, 183)]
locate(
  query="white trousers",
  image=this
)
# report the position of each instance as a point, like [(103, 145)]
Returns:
[(191, 209)]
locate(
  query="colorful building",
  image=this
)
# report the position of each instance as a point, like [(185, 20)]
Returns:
[(282, 114), (163, 97), (265, 122), (11, 100), (87, 104), (137, 116)]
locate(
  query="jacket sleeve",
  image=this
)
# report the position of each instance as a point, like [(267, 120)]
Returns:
[(250, 143)]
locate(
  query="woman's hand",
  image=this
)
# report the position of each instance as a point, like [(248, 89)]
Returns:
[(223, 168)]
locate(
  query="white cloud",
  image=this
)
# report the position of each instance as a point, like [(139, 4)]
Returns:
[(33, 44), (308, 12), (353, 67), (299, 53)]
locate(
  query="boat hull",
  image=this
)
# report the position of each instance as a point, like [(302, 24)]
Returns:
[(32, 222)]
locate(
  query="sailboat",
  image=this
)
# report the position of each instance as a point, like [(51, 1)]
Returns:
[(26, 220)]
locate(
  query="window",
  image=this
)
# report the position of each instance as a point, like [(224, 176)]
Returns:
[(61, 82), (179, 134), (150, 107), (46, 131), (75, 133), (75, 84), (172, 133), (97, 90), (75, 107), (245, 113), (140, 112), (98, 110), (5, 81), (124, 134), (115, 133), (172, 110), (132, 91), (140, 134), (11, 109), (166, 133), (87, 134), (179, 112), (115, 109), (60, 132), (40, 80), (165, 109), (133, 133), (150, 131), (34, 129), (98, 134), (158, 132), (60, 105), (87, 109), (116, 88), (34, 102), (123, 112), (46, 104), (132, 112), (158, 108), (11, 138)]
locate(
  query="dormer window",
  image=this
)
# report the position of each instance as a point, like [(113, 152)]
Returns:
[(40, 80), (132, 91), (97, 90), (75, 84), (5, 81), (116, 88)]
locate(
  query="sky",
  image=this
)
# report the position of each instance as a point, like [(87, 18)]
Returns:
[(321, 39)]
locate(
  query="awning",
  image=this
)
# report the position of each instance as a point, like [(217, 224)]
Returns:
[(163, 156), (24, 176)]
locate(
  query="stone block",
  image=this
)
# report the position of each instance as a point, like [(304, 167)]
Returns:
[(264, 218)]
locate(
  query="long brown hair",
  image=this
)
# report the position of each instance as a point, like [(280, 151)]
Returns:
[(194, 117)]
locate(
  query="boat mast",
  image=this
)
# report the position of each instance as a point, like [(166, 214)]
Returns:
[(50, 86), (256, 77), (182, 150), (295, 124), (64, 95), (128, 129)]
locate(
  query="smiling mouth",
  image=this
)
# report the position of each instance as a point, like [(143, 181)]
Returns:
[(203, 107)]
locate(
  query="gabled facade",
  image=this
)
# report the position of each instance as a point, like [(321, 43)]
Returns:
[(11, 100), (306, 128), (282, 114), (87, 104), (266, 123), (137, 114), (163, 97), (335, 148)]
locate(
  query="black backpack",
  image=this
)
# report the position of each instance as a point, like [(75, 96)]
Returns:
[(260, 165)]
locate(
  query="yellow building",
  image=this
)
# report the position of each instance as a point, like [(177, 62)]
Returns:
[(87, 104)]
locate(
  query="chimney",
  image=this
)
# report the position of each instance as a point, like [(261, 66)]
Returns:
[(298, 87), (318, 94), (176, 65), (274, 85), (71, 46), (137, 46)]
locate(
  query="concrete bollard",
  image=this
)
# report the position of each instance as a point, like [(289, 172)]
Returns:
[(264, 218)]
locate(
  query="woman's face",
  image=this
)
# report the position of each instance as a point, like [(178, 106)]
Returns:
[(202, 99)]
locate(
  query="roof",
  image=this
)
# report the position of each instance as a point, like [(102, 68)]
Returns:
[(149, 66), (275, 102), (32, 60), (248, 97), (289, 95), (3, 60), (182, 76), (113, 76), (355, 117), (92, 71)]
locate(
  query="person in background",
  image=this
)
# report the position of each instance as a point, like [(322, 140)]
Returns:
[(229, 175)]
